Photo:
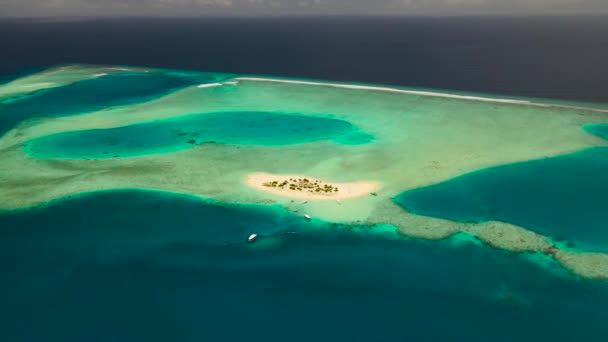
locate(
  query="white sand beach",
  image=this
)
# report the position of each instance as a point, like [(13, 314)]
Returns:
[(304, 187)]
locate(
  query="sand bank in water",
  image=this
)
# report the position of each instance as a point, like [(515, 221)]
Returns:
[(56, 77), (304, 187)]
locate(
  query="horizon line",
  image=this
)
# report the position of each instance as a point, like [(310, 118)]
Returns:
[(294, 15)]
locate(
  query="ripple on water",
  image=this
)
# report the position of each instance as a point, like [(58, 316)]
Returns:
[(257, 128)]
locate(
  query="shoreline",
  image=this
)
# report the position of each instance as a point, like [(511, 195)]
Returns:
[(304, 187)]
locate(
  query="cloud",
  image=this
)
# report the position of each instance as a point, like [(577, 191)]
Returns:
[(297, 7)]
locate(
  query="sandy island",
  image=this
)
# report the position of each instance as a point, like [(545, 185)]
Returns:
[(303, 187)]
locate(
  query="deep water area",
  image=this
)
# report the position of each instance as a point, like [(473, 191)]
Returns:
[(141, 265)]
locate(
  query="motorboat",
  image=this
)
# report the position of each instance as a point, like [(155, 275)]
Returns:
[(252, 237)]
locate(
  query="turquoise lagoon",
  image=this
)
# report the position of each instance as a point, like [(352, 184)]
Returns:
[(133, 265), (601, 130), (245, 128), (90, 95), (563, 197)]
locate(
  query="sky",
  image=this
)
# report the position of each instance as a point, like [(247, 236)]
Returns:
[(78, 8)]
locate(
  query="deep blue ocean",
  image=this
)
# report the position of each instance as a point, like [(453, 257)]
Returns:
[(146, 266), (549, 57)]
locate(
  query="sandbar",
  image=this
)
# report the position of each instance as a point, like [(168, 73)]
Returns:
[(305, 187), (54, 77)]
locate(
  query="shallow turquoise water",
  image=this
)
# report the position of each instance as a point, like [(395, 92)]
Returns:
[(90, 95), (259, 128), (601, 130), (143, 266), (563, 197)]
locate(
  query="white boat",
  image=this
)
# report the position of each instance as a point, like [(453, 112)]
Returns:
[(307, 216), (252, 237)]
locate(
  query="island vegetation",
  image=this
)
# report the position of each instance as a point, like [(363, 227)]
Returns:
[(302, 184)]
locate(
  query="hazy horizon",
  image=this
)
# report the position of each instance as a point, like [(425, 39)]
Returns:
[(249, 8), (294, 15)]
